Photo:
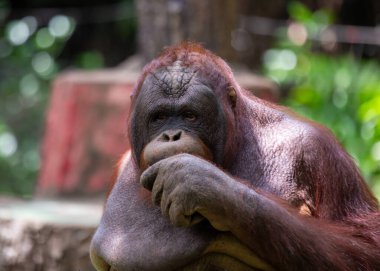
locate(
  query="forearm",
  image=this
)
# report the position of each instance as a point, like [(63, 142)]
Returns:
[(286, 239)]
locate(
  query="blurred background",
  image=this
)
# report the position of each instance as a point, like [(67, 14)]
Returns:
[(67, 69)]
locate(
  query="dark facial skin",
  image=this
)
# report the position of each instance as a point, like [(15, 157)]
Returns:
[(175, 99), (186, 118), (287, 197)]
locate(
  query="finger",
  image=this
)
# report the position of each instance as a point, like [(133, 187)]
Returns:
[(177, 217), (148, 177), (157, 190), (165, 204)]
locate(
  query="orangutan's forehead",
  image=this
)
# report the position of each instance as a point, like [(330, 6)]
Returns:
[(174, 80)]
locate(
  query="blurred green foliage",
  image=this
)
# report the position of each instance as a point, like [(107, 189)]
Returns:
[(28, 55), (338, 91), (29, 60)]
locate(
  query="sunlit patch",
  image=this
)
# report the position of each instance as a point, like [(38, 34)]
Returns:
[(342, 78), (60, 26), (340, 98), (44, 39), (376, 188), (280, 59), (297, 33), (18, 32), (8, 144), (375, 151), (31, 160), (367, 130), (304, 210), (29, 85), (43, 64)]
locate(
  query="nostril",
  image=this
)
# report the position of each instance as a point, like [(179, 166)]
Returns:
[(165, 137), (170, 136), (177, 136), (99, 263)]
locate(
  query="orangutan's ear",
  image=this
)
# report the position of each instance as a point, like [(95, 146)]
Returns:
[(232, 96)]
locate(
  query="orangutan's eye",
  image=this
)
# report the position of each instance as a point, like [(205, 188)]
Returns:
[(159, 117), (189, 116)]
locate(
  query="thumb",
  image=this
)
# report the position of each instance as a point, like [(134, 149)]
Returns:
[(148, 177)]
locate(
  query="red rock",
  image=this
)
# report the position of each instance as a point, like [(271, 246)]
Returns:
[(85, 132)]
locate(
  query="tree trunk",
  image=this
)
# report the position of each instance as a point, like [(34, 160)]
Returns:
[(166, 22)]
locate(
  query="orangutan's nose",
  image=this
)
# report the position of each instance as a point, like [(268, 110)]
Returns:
[(171, 135)]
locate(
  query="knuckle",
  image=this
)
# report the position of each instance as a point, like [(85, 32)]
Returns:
[(184, 157)]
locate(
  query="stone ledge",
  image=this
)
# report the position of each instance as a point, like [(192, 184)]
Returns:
[(46, 211), (46, 234)]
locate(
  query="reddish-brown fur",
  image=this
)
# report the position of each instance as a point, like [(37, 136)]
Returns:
[(343, 229), (357, 227)]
